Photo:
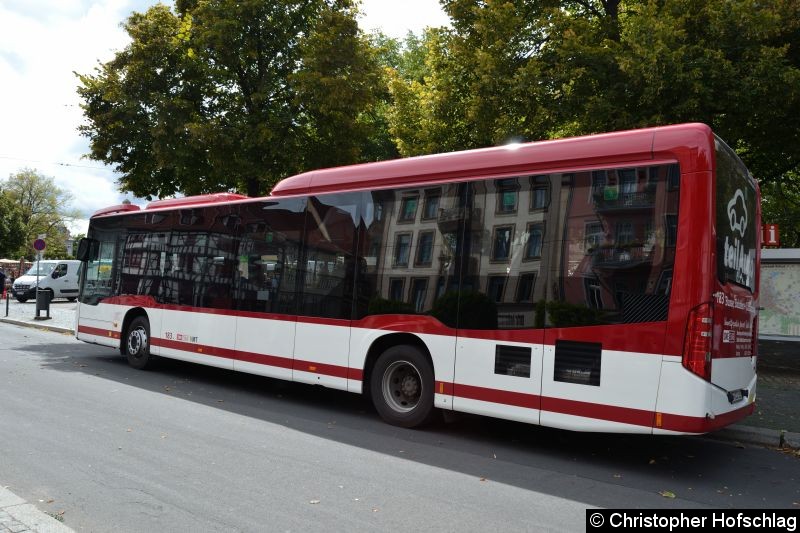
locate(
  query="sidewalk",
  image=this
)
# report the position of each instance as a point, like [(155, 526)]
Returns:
[(19, 516)]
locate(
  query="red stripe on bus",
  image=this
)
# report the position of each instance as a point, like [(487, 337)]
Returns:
[(611, 413), (518, 399), (696, 424), (99, 332), (321, 368), (645, 338)]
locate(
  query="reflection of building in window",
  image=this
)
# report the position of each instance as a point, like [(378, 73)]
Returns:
[(431, 207), (396, 289), (495, 287), (664, 282), (593, 236), (424, 249), (408, 209), (671, 229), (507, 193), (419, 287), (501, 243), (624, 232), (540, 193), (533, 248), (402, 249), (594, 297), (628, 178), (673, 177), (525, 287), (599, 182)]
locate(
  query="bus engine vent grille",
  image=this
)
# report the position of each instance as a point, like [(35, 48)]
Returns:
[(578, 362), (512, 361)]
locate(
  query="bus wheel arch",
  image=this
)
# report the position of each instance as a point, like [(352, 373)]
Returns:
[(135, 339), (400, 377)]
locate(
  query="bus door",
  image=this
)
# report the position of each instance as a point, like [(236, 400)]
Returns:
[(499, 345), (266, 286), (94, 322), (326, 281)]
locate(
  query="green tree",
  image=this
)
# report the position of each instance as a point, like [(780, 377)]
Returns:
[(11, 229), (546, 69), (232, 95), (43, 209)]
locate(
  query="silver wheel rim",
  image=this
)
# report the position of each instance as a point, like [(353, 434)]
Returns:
[(137, 341), (402, 386)]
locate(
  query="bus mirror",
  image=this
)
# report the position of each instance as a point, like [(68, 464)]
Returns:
[(87, 249)]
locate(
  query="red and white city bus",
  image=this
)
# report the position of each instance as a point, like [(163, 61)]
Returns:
[(599, 283)]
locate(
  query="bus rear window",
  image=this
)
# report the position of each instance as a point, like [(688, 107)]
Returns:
[(736, 219)]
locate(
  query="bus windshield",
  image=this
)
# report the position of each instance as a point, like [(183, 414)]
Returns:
[(736, 218)]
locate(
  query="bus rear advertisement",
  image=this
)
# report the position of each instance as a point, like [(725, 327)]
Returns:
[(599, 283)]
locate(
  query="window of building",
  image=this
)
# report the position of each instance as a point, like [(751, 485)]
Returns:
[(525, 287), (624, 232), (424, 249), (431, 208), (495, 287), (408, 208), (540, 192), (533, 248), (599, 182), (419, 289), (594, 297), (396, 289), (402, 249), (593, 236), (507, 194), (501, 243), (628, 179)]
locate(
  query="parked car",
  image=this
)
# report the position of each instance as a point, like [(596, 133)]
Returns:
[(59, 277)]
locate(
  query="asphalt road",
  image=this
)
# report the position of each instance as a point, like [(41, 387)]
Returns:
[(191, 448)]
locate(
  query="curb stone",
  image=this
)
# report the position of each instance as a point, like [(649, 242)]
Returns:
[(749, 435), (37, 325), (18, 515)]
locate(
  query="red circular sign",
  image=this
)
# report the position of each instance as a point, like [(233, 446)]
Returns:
[(38, 244)]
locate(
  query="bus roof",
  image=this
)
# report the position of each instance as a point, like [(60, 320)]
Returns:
[(693, 141), (573, 153)]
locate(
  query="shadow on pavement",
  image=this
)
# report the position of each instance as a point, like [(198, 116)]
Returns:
[(699, 471)]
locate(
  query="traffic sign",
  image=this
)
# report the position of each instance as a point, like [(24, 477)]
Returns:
[(38, 244)]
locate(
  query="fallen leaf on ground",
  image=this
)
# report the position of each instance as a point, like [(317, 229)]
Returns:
[(667, 494)]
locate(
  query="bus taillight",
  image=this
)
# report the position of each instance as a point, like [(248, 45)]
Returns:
[(697, 347)]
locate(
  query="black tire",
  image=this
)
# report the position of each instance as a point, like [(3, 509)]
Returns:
[(402, 386), (21, 300), (71, 298), (136, 344)]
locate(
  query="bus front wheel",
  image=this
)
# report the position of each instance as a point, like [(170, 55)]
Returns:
[(401, 386), (136, 344)]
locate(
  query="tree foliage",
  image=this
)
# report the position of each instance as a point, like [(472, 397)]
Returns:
[(11, 229), (233, 95), (42, 209), (544, 69)]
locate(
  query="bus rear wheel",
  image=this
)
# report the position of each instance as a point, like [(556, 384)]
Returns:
[(401, 386), (136, 344)]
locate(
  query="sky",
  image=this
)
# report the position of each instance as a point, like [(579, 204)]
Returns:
[(44, 42)]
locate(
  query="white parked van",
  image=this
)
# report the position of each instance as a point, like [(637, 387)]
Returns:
[(60, 277)]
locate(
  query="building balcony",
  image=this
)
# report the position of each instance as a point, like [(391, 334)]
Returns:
[(623, 256)]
